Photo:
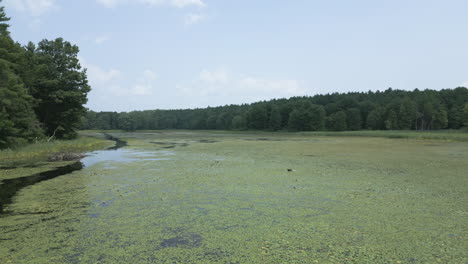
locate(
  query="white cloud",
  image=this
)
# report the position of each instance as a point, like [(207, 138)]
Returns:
[(149, 75), (184, 3), (98, 75), (142, 89), (216, 76), (193, 18), (227, 87), (110, 3), (144, 86), (101, 39), (464, 84), (286, 87), (176, 3), (33, 7)]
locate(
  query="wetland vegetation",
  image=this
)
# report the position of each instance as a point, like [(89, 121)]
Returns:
[(222, 197)]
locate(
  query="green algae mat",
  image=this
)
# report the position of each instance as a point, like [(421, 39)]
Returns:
[(211, 197)]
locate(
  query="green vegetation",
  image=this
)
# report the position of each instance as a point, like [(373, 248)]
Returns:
[(222, 197), (39, 152), (387, 110), (449, 135), (42, 89)]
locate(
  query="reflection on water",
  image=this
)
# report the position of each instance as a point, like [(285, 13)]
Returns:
[(123, 156)]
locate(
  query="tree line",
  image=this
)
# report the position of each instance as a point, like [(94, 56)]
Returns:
[(42, 89), (381, 110)]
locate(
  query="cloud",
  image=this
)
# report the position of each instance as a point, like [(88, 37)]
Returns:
[(286, 87), (176, 3), (101, 39), (99, 75), (33, 7), (108, 82), (228, 87), (144, 85), (110, 3), (193, 18), (464, 84), (184, 3), (216, 76), (149, 75), (142, 89)]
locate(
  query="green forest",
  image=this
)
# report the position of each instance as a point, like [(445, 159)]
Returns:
[(386, 110), (43, 89)]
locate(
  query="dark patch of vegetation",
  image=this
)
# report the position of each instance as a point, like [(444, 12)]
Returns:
[(170, 145), (207, 141), (188, 240)]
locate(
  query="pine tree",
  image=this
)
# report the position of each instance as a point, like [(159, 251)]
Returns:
[(18, 123)]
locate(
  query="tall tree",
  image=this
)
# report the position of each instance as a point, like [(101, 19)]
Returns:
[(392, 121), (337, 121), (257, 117), (455, 117), (354, 120), (274, 122), (18, 124), (239, 122), (407, 113), (465, 116), (60, 88), (374, 119)]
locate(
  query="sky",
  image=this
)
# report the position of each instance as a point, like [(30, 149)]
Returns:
[(177, 54)]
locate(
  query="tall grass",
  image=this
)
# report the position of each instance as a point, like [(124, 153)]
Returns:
[(42, 150)]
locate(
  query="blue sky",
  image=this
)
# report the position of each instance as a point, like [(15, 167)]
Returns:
[(167, 54)]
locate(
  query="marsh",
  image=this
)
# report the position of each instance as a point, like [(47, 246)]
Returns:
[(227, 197)]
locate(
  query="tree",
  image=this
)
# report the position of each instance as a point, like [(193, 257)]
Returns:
[(374, 119), (317, 121), (257, 117), (18, 123), (455, 117), (407, 113), (392, 121), (60, 88), (239, 122), (392, 109), (337, 121), (440, 119), (3, 18), (126, 122), (297, 120), (274, 122), (354, 120), (465, 116)]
